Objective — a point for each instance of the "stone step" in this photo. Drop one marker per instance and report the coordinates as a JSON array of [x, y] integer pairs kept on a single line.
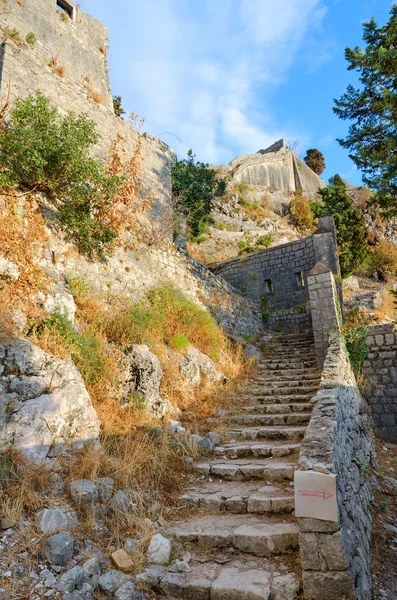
[[289, 373], [279, 398], [225, 576], [241, 469], [267, 433], [271, 419], [279, 408], [246, 533], [256, 449], [240, 498], [277, 364]]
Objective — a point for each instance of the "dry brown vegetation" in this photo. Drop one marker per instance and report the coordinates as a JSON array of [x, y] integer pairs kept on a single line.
[[300, 211]]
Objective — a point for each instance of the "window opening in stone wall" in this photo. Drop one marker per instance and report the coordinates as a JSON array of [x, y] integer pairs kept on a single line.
[[268, 285], [65, 7], [299, 279]]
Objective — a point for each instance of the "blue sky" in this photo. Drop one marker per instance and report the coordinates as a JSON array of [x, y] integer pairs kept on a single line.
[[228, 77]]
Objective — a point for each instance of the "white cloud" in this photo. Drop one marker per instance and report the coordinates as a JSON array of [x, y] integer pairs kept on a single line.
[[205, 72]]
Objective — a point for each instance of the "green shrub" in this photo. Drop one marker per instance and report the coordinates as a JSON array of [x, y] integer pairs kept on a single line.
[[195, 186], [180, 342], [356, 344], [87, 350], [42, 150], [31, 39], [252, 243]]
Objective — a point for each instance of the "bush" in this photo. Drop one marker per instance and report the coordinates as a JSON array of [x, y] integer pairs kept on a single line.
[[384, 260], [31, 39], [252, 243], [195, 186], [41, 150], [180, 342], [301, 212], [356, 344]]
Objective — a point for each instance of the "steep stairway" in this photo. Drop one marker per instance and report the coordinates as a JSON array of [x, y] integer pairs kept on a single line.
[[241, 532]]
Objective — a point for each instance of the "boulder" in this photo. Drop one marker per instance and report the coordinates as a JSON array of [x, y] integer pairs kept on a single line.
[[51, 520], [45, 407], [58, 549], [159, 550], [8, 270], [351, 283], [197, 367], [83, 491], [144, 376]]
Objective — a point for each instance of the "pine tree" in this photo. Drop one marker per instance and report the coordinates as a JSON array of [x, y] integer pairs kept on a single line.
[[315, 160], [372, 137], [351, 234]]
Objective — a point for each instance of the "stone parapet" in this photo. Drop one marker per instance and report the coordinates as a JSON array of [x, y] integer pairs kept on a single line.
[[336, 557], [380, 367]]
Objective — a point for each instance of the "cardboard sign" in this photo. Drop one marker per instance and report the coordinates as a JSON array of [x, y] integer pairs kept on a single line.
[[315, 496]]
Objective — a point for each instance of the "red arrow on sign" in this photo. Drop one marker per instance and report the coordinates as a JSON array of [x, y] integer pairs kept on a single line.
[[312, 494]]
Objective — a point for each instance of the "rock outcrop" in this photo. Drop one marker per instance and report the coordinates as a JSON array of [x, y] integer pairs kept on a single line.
[[44, 405]]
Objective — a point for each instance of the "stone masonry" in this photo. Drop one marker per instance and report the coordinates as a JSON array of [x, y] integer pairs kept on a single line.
[[380, 367], [276, 279]]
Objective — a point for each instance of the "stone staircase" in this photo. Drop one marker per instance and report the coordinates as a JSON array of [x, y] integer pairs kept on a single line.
[[241, 533]]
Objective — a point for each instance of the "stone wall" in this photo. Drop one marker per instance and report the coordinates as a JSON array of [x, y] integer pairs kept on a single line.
[[336, 557], [380, 367], [78, 44], [276, 279]]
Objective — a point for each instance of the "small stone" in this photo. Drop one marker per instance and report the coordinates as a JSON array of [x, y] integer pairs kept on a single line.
[[202, 443], [285, 587], [92, 570], [214, 437], [153, 575], [111, 581], [180, 566], [83, 593], [58, 549], [51, 520], [189, 460], [161, 521], [159, 550], [105, 488], [130, 546], [8, 269], [120, 503], [83, 491], [71, 579], [48, 578], [129, 591], [122, 560], [173, 425]]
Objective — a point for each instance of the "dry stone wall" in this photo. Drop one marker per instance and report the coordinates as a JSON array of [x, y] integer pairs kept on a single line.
[[336, 557], [380, 367], [276, 279]]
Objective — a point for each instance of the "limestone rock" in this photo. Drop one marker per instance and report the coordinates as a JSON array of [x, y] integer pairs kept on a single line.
[[9, 270], [111, 581], [92, 569], [105, 488], [71, 580], [121, 560], [152, 575], [232, 584], [159, 550], [130, 546], [45, 406], [120, 502], [83, 491], [214, 437], [144, 377], [51, 520], [203, 443], [129, 591], [197, 367], [58, 549], [285, 587], [351, 283], [60, 301]]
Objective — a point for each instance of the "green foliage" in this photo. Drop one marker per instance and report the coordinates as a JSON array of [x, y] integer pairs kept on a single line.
[[118, 106], [12, 34], [265, 309], [351, 234], [167, 316], [252, 243], [42, 150], [31, 39], [87, 350], [5, 465], [384, 505], [356, 344], [194, 188], [372, 109], [315, 160], [180, 342], [317, 209]]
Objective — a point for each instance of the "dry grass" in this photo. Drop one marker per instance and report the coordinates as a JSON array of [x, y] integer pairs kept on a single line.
[[97, 96], [387, 307], [301, 213]]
